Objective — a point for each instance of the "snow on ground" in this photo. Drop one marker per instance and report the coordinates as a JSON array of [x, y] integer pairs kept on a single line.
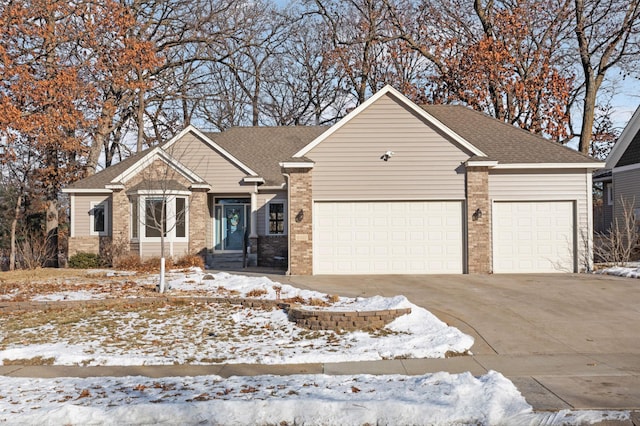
[[622, 271], [440, 398], [217, 333]]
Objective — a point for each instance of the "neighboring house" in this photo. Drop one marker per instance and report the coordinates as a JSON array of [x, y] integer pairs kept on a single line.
[[621, 176], [392, 188]]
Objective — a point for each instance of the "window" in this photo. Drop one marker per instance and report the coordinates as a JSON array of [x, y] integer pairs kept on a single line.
[[98, 218], [135, 221], [181, 219], [609, 188], [167, 215], [276, 218], [155, 217]]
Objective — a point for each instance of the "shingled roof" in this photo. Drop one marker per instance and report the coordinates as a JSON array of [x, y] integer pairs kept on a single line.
[[104, 177], [263, 148], [501, 141]]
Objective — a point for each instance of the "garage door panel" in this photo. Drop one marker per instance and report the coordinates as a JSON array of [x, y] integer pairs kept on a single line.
[[533, 236], [388, 237]]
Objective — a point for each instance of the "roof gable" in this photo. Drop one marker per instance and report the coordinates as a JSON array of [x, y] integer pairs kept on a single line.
[[122, 172], [626, 150], [208, 139], [399, 97]]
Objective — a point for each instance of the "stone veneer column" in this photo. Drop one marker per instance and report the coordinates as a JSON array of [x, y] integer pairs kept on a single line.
[[253, 231], [300, 221], [478, 226], [198, 216], [120, 217]]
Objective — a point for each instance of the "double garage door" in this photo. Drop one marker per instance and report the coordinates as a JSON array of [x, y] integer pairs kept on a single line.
[[408, 237], [427, 237]]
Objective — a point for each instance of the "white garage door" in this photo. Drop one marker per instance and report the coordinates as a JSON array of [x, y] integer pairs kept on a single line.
[[533, 237], [387, 237]]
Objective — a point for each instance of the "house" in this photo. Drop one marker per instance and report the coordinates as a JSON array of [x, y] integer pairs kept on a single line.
[[621, 176], [392, 188]]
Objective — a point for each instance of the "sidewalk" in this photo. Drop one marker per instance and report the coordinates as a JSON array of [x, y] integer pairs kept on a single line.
[[548, 382]]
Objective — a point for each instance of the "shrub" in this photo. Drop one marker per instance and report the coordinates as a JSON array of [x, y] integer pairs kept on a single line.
[[82, 260], [131, 262], [189, 261]]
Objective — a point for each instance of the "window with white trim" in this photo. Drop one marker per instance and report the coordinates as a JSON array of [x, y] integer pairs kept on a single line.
[[158, 214], [98, 221], [276, 223], [609, 188]]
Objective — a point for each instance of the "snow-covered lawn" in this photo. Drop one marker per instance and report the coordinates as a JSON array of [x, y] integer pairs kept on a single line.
[[200, 333], [630, 271], [131, 334], [438, 399]]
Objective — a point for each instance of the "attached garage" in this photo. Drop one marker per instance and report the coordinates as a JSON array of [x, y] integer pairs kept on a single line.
[[534, 236], [397, 237]]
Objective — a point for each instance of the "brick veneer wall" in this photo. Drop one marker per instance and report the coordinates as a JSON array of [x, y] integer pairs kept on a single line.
[[272, 250], [198, 216], [120, 216], [85, 244], [478, 228], [300, 221]]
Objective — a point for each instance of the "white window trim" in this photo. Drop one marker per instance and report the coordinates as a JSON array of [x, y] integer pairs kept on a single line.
[[105, 206], [266, 216], [171, 218], [133, 204], [609, 189]]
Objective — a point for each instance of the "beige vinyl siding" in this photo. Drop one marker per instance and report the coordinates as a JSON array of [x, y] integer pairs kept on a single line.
[[81, 213], [210, 165], [425, 165], [549, 185], [263, 199], [626, 186], [152, 249]]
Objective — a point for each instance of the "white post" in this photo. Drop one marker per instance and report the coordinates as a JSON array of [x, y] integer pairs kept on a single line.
[[162, 284], [253, 231]]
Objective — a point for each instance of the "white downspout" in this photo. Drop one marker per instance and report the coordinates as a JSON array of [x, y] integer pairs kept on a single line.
[[589, 236], [287, 178]]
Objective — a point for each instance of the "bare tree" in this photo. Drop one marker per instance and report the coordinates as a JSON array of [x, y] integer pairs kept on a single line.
[[621, 242], [358, 31], [608, 36]]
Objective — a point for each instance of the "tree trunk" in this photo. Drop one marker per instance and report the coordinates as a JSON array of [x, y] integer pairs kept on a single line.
[[14, 225], [52, 233], [588, 115], [94, 153], [140, 119]]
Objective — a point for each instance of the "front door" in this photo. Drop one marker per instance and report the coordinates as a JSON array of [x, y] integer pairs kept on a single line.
[[231, 222]]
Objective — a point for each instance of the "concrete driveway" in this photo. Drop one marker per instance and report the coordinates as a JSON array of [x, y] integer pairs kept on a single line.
[[565, 340]]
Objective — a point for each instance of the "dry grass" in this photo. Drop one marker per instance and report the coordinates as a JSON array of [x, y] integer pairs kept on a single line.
[[317, 302], [38, 360], [24, 276], [333, 298], [257, 292]]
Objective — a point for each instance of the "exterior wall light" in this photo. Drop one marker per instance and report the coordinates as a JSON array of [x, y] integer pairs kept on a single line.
[[386, 155]]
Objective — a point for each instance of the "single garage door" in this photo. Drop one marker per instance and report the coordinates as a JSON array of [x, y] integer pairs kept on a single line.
[[533, 237], [408, 237]]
